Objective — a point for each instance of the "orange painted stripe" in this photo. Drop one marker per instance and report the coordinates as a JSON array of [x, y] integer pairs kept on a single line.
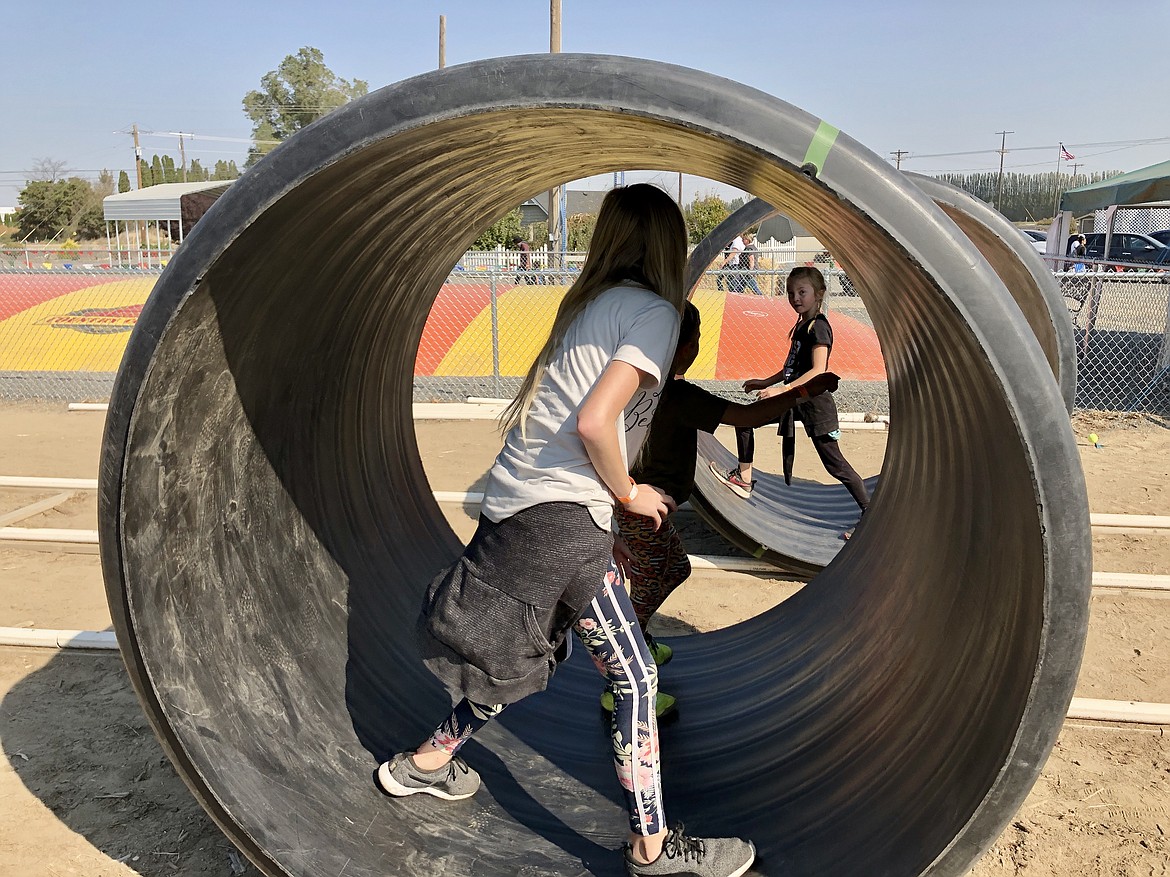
[[456, 306]]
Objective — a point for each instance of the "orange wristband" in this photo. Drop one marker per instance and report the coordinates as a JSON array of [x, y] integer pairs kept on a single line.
[[629, 498]]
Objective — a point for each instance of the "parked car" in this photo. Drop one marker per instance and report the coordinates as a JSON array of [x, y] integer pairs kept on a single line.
[[1161, 236], [1126, 246], [1037, 239]]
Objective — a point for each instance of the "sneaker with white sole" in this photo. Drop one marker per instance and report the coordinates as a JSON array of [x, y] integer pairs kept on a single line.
[[732, 479], [400, 777], [684, 856]]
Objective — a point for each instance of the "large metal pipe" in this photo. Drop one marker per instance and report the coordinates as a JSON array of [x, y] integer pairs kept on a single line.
[[798, 527], [267, 528]]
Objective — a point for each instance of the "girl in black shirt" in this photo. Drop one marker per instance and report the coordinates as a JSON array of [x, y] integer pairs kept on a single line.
[[808, 356]]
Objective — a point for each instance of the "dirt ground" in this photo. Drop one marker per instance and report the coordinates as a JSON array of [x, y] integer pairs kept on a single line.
[[86, 790]]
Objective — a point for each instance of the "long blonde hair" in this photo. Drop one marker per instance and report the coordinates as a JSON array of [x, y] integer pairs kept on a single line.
[[640, 236]]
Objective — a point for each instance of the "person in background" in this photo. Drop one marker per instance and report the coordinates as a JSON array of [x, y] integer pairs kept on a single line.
[[748, 262], [808, 356], [730, 265], [525, 262]]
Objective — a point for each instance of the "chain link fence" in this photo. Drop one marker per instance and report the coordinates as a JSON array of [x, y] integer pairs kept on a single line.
[[63, 331]]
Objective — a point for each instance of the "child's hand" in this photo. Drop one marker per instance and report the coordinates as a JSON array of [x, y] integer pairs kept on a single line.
[[768, 393], [753, 385], [652, 503], [825, 382], [623, 558]]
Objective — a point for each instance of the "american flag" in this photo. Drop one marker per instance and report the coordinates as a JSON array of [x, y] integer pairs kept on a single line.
[[1065, 154]]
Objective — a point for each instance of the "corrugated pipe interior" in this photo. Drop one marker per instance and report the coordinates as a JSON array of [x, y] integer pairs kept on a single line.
[[798, 527], [267, 528]]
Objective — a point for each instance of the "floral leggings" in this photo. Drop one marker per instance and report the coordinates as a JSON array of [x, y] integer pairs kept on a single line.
[[609, 632]]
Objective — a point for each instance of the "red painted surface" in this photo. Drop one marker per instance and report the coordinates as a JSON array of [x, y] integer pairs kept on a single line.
[[19, 292], [454, 309], [753, 341]]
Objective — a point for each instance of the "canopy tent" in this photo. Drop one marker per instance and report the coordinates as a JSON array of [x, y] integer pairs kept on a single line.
[[178, 205], [164, 202], [1136, 187]]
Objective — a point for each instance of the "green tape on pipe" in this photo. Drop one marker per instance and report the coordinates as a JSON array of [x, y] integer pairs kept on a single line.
[[822, 142]]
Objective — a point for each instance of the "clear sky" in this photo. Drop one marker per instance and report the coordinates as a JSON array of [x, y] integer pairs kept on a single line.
[[927, 76]]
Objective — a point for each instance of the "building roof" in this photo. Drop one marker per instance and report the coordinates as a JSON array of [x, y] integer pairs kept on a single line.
[[161, 202]]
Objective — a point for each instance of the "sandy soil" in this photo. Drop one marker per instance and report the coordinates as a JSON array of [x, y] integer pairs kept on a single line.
[[86, 790]]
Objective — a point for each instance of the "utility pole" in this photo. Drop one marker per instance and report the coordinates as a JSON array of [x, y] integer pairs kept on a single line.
[[898, 153], [183, 157], [137, 156], [442, 41], [554, 195], [1002, 152]]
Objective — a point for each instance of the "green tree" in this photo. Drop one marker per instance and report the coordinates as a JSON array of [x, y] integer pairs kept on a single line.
[[62, 208], [123, 181], [501, 233], [1022, 197], [225, 170], [581, 227], [197, 173], [300, 90], [170, 174], [157, 175], [703, 214]]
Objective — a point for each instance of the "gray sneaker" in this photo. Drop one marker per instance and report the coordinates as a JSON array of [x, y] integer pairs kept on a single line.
[[400, 776], [684, 856]]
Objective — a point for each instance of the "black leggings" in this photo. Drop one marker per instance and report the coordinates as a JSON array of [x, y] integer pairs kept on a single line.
[[831, 458]]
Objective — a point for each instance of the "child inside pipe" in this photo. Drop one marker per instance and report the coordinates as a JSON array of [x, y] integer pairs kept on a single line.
[[542, 558], [808, 356], [658, 559]]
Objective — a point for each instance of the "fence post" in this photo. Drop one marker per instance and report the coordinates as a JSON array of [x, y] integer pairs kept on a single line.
[[495, 336]]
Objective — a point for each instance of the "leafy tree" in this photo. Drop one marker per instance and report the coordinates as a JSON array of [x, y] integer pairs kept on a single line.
[[225, 170], [501, 233], [1022, 197], [123, 181], [703, 215], [581, 227], [170, 175], [156, 171], [51, 209], [299, 91]]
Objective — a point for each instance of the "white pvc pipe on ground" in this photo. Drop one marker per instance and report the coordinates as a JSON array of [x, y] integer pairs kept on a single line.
[[41, 483], [60, 639]]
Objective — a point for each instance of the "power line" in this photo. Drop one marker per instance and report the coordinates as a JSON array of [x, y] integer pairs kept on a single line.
[[1049, 148]]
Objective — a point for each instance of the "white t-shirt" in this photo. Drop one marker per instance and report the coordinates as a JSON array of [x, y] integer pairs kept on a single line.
[[629, 323], [736, 248]]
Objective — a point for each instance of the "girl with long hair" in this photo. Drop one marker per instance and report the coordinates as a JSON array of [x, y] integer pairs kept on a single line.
[[494, 624]]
